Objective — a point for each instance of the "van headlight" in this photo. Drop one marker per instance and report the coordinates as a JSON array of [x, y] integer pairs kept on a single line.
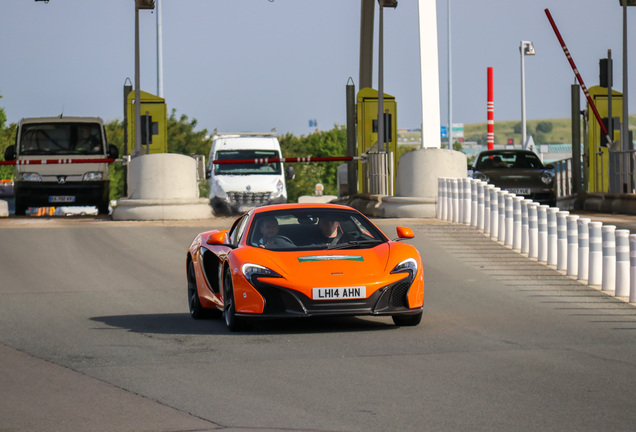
[[481, 176], [29, 177], [218, 191], [280, 188], [93, 176]]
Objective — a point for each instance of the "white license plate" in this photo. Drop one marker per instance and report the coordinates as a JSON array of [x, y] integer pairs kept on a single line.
[[62, 199], [519, 191], [339, 293]]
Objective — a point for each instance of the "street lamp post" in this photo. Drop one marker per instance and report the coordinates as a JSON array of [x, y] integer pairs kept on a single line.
[[526, 48], [139, 4], [625, 125]]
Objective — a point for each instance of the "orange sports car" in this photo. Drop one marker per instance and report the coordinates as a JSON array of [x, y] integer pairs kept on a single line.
[[300, 260]]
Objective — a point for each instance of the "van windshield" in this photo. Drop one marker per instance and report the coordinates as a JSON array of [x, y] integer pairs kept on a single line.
[[247, 168], [61, 138]]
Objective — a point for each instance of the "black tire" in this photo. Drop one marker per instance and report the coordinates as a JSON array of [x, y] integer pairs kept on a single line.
[[20, 207], [408, 320], [232, 322], [102, 208], [194, 303]]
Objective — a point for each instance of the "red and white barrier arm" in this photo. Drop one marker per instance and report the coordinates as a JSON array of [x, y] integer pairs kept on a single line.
[[578, 77], [289, 160], [55, 161]]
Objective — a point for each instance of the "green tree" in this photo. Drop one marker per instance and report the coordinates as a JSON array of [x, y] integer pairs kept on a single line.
[[183, 139], [544, 127], [7, 138], [318, 144]]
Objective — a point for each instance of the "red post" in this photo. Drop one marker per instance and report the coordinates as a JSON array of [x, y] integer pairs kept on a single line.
[[491, 113]]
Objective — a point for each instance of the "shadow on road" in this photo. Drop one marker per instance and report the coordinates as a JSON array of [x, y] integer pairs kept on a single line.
[[183, 324]]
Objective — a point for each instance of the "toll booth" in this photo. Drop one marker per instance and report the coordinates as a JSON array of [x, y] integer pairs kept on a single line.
[[597, 153], [154, 123], [367, 118]]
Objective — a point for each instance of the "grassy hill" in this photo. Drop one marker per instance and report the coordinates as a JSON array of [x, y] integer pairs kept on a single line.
[[560, 134]]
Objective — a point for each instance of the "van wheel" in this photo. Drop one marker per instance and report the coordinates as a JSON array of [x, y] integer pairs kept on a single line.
[[20, 207]]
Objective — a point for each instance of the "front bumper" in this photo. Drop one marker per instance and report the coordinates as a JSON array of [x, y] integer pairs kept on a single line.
[[39, 194], [283, 302]]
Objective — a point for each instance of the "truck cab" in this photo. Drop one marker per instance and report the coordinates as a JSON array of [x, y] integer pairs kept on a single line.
[[49, 170], [257, 181]]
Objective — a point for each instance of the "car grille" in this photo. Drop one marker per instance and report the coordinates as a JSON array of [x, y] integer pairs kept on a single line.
[[251, 199], [282, 301]]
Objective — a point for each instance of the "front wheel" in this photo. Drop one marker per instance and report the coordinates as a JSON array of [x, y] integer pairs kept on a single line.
[[232, 322], [408, 320]]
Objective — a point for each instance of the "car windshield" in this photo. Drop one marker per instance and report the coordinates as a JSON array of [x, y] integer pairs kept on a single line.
[[510, 159], [313, 229], [60, 138], [261, 167]]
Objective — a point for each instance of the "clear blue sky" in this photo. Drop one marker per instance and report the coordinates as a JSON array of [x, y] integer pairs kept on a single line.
[[259, 64]]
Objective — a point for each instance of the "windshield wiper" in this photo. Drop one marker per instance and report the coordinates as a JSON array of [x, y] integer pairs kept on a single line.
[[353, 244]]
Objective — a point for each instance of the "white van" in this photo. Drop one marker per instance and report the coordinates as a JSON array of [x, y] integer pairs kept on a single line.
[[238, 187], [44, 176]]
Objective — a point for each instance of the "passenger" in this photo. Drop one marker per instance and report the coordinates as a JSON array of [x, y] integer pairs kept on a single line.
[[330, 232], [497, 162], [270, 237]]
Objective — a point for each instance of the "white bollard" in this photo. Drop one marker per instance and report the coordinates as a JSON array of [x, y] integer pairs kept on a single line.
[[542, 227], [562, 240], [525, 229], [573, 245], [480, 205], [455, 200], [464, 184], [449, 199], [552, 236], [595, 269], [441, 197], [632, 271], [459, 202], [487, 189], [622, 263], [473, 202], [509, 199], [583, 225], [494, 212], [609, 258], [533, 231], [468, 200], [516, 223], [501, 236]]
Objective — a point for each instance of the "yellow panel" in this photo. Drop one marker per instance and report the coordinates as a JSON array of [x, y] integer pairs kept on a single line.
[[367, 112], [155, 106], [597, 161]]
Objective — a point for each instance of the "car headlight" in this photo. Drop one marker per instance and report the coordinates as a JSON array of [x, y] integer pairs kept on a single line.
[[93, 176], [29, 176], [252, 271], [481, 176], [547, 177], [408, 265]]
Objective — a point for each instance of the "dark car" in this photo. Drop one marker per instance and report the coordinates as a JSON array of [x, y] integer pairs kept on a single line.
[[518, 171]]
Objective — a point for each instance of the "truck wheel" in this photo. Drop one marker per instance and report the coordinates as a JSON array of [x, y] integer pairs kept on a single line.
[[103, 208]]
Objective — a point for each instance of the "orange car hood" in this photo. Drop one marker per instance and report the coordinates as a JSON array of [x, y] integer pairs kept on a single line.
[[332, 268]]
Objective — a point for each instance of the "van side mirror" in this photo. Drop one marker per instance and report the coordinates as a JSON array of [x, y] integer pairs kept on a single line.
[[290, 172], [9, 153], [113, 152]]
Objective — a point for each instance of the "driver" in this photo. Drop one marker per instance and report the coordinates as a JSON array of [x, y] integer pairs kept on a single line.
[[269, 235]]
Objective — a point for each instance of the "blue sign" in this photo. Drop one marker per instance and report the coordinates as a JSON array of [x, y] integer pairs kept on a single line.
[[444, 132]]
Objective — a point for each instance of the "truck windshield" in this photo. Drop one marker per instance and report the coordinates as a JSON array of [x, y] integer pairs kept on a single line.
[[61, 138], [262, 167]]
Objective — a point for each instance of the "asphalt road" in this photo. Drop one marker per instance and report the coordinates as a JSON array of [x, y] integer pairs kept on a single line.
[[95, 336]]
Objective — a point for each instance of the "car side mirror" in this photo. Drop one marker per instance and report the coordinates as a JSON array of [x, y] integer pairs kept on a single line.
[[9, 153], [113, 152], [216, 238], [404, 232]]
